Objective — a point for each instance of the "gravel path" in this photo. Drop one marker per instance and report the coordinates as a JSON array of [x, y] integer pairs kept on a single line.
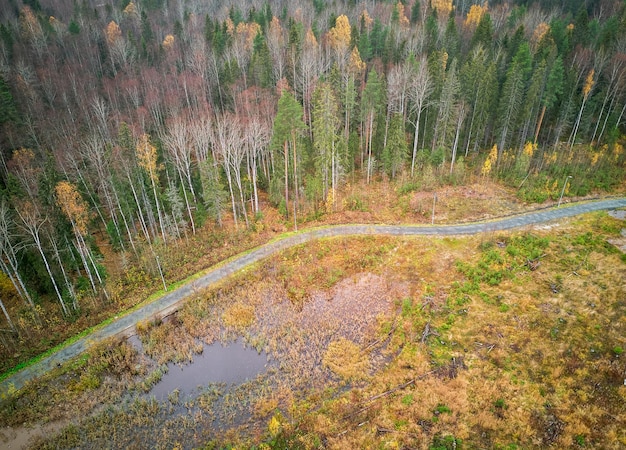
[[171, 301]]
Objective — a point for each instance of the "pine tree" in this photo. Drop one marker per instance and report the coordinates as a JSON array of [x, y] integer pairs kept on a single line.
[[372, 104], [8, 111], [326, 138], [287, 126], [513, 93], [396, 150]]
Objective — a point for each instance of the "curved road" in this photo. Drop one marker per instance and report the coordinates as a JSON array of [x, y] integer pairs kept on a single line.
[[172, 300]]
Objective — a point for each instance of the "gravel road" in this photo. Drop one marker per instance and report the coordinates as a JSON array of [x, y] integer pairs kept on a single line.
[[171, 301]]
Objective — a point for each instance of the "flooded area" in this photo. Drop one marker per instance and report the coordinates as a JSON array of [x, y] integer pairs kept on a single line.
[[225, 365], [229, 364]]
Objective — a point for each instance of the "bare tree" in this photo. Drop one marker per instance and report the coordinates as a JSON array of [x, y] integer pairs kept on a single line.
[[257, 137], [228, 144], [8, 254], [32, 222], [420, 88], [177, 141]]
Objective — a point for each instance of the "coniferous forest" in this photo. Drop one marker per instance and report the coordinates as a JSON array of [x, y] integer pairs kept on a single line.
[[143, 142], [127, 128]]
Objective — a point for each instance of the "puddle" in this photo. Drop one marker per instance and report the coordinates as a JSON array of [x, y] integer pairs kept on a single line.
[[231, 364]]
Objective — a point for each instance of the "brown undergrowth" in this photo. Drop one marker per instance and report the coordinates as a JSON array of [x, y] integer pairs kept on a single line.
[[132, 277], [504, 340]]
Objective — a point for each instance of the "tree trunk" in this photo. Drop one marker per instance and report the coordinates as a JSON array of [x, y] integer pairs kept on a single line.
[[286, 179], [543, 111], [6, 314], [54, 283]]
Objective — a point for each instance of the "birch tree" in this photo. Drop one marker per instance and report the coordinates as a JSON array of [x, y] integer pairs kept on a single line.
[[32, 222], [8, 254], [420, 88], [177, 141], [587, 86], [147, 158], [257, 138]]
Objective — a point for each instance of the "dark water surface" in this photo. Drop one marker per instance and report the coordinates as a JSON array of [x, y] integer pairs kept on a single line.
[[230, 364]]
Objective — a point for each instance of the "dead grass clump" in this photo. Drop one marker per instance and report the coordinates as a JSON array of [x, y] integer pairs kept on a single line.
[[345, 359], [238, 316], [166, 342]]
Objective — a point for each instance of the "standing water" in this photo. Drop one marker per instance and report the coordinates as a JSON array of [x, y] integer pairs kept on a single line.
[[231, 364]]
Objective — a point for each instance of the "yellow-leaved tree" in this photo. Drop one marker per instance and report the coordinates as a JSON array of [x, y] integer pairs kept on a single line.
[[474, 15], [147, 159], [356, 63], [339, 36], [490, 161], [402, 18], [113, 32], [73, 206], [69, 200], [443, 7], [539, 33], [168, 42], [366, 19]]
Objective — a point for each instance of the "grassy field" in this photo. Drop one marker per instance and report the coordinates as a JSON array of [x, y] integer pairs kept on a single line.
[[511, 340]]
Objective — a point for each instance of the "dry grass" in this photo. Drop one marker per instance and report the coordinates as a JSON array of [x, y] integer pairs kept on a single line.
[[530, 360], [345, 359], [539, 368], [163, 343], [238, 316], [132, 277]]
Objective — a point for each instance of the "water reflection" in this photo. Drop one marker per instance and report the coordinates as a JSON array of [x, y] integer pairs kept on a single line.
[[230, 364]]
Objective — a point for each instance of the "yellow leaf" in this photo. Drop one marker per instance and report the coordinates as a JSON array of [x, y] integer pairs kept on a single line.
[[147, 156], [356, 63], [366, 19], [72, 205], [113, 32], [474, 15], [443, 7], [404, 21], [339, 36], [168, 42], [589, 82], [310, 40], [541, 30]]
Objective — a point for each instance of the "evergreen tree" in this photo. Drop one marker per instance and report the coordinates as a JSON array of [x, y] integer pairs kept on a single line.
[[484, 32], [451, 39], [513, 92], [480, 89], [415, 12], [554, 89], [260, 67], [372, 106], [8, 111], [327, 141], [396, 150], [287, 126]]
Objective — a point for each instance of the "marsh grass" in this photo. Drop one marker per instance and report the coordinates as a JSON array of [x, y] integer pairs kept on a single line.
[[345, 359], [516, 354], [97, 377], [538, 372]]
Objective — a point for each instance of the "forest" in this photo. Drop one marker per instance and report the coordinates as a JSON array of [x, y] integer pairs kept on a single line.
[[128, 128]]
